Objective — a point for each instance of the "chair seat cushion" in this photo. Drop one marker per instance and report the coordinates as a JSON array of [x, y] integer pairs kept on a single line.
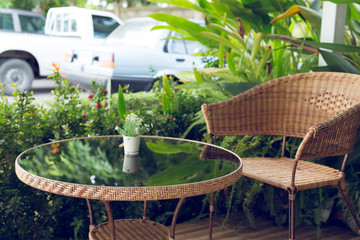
[[278, 171], [131, 229]]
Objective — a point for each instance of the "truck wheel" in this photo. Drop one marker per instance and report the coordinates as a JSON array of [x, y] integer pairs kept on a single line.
[[16, 72]]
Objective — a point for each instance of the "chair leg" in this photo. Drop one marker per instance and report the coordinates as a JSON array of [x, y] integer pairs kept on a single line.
[[111, 219], [292, 196], [211, 210], [176, 213], [91, 214], [342, 188]]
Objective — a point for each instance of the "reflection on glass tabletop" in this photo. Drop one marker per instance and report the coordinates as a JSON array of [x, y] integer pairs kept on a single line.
[[101, 162]]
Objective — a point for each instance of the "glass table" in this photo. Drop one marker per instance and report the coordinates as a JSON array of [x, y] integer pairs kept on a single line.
[[95, 168]]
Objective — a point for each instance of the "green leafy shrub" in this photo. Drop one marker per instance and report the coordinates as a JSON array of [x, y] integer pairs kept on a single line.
[[184, 105], [24, 212]]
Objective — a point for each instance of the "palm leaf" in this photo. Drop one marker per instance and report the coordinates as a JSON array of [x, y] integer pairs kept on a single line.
[[338, 63]]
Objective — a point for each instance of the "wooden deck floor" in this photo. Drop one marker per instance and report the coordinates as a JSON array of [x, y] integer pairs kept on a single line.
[[199, 230]]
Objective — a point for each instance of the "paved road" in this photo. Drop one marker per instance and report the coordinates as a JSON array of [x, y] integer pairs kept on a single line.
[[42, 89]]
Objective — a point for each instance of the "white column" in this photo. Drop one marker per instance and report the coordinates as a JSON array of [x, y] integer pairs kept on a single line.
[[332, 25]]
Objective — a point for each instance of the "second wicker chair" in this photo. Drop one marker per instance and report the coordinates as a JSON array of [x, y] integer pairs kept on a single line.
[[323, 109]]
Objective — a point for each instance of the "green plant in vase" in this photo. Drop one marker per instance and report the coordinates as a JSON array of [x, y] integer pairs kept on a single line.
[[131, 130]]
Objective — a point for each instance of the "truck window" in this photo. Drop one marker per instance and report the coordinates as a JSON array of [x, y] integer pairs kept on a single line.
[[180, 46], [193, 47], [31, 24], [103, 26], [69, 21], [73, 25], [6, 22], [177, 45], [66, 22], [58, 23]]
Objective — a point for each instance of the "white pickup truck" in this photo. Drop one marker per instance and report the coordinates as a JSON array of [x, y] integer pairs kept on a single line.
[[25, 55]]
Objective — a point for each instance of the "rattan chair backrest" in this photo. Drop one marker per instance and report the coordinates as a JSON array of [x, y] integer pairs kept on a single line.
[[290, 106]]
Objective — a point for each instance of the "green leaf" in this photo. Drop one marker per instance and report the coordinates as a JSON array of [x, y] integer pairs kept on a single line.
[[166, 104], [237, 88], [176, 21], [231, 64], [262, 62], [176, 174], [166, 86], [229, 76], [197, 85], [256, 46], [337, 63], [221, 55], [306, 44], [179, 3], [223, 41], [121, 104], [197, 75], [261, 7], [312, 16], [186, 77], [168, 148], [234, 34], [309, 14], [343, 1], [321, 69], [193, 29], [334, 46]]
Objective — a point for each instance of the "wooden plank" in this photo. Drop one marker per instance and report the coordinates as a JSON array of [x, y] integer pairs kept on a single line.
[[265, 230]]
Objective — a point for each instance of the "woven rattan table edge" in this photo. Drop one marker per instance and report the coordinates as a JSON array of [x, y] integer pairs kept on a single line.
[[110, 193]]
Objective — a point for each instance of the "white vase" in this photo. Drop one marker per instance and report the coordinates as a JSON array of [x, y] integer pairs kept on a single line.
[[131, 145], [131, 163]]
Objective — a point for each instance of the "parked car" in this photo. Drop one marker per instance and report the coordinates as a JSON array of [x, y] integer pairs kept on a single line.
[[133, 55], [15, 20], [25, 54]]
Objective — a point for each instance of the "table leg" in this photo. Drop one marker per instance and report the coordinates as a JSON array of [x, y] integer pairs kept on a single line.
[[91, 214], [211, 210], [176, 213], [145, 211], [111, 219]]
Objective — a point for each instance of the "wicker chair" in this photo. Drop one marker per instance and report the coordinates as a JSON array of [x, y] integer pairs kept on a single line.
[[323, 109]]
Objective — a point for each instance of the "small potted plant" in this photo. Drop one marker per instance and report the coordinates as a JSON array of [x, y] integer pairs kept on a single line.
[[131, 131]]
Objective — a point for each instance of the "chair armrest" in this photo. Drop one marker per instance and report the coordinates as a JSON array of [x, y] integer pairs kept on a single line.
[[333, 137]]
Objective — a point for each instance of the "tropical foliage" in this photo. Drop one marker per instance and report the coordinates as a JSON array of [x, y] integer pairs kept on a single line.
[[260, 40]]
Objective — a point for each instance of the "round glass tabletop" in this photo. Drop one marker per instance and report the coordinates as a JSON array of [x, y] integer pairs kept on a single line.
[[97, 168]]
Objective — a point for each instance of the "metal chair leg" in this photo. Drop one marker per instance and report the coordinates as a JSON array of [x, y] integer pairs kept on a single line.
[[292, 196], [342, 189]]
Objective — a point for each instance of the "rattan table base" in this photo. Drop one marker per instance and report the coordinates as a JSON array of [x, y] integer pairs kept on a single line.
[[131, 229]]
